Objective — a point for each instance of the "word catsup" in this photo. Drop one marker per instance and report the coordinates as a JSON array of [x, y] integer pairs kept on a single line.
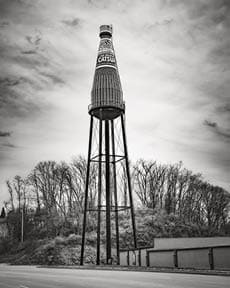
[[105, 58]]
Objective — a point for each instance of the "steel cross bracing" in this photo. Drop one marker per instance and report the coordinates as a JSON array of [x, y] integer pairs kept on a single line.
[[107, 158]]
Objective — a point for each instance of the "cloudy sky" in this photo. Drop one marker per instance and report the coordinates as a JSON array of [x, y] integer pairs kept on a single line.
[[174, 64]]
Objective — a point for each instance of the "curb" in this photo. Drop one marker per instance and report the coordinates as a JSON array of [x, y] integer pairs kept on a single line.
[[143, 269]]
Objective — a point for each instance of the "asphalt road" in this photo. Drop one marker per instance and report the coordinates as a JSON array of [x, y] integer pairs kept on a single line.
[[33, 277]]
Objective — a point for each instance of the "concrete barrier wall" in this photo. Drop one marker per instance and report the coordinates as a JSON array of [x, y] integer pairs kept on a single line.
[[193, 259], [209, 257], [143, 257], [133, 258], [199, 258], [161, 259], [221, 258], [181, 252], [123, 258]]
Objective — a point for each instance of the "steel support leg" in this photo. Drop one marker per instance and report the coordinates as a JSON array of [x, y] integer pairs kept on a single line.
[[107, 192], [115, 192], [99, 194], [129, 181], [86, 191]]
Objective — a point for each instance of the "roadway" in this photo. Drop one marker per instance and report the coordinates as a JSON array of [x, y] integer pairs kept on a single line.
[[33, 277]]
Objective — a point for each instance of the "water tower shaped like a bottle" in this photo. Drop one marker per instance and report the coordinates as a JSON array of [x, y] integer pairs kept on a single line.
[[106, 95], [107, 136]]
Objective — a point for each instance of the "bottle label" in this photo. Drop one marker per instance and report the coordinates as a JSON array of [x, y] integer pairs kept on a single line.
[[106, 45], [106, 59], [106, 54]]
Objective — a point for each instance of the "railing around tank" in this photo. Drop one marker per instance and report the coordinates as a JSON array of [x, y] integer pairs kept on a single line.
[[106, 104]]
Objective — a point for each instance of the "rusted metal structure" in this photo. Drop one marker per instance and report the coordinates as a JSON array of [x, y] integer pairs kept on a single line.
[[107, 136]]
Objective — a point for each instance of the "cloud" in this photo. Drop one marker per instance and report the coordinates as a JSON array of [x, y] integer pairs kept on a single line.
[[4, 24], [210, 124], [15, 6], [15, 104], [55, 79], [29, 52], [217, 130], [29, 71], [35, 39], [5, 134], [225, 108], [7, 81], [16, 98], [9, 145], [72, 22], [165, 22]]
